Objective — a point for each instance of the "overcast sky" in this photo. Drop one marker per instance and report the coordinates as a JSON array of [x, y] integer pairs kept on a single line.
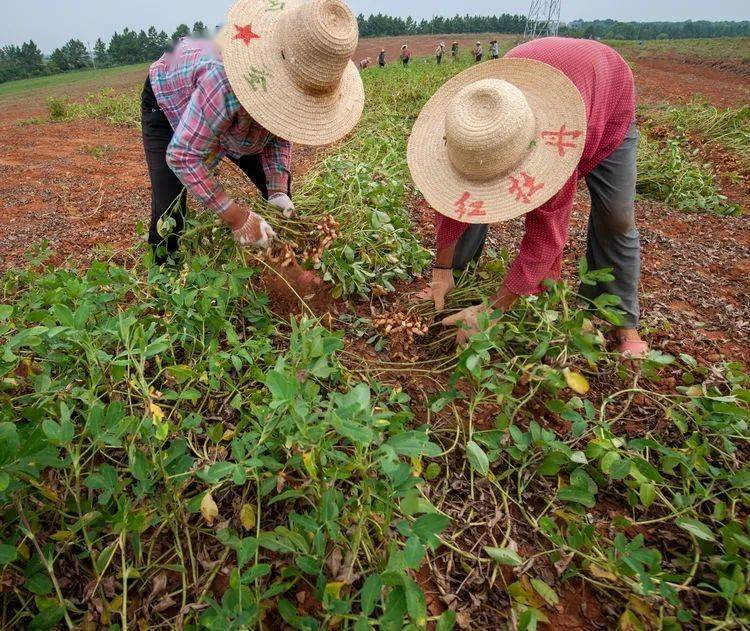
[[52, 22]]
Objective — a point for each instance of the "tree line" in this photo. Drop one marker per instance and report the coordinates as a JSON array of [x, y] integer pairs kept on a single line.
[[611, 29], [385, 25], [130, 46]]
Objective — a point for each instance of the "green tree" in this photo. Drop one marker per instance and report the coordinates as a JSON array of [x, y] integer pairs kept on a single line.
[[101, 55], [200, 30], [181, 31]]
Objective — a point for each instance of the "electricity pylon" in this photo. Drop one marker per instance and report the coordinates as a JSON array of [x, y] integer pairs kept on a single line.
[[543, 19]]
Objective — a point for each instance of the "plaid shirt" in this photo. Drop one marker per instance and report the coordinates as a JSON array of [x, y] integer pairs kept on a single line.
[[192, 89]]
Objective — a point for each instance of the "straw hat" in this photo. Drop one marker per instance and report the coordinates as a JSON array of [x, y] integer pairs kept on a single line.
[[497, 140], [289, 63]]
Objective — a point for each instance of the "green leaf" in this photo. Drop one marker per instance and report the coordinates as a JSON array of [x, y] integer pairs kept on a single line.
[[446, 621], [8, 554], [647, 470], [696, 528], [414, 552], [503, 556], [545, 591], [620, 469], [579, 496], [477, 458], [416, 604], [39, 584], [428, 526], [282, 387], [370, 593], [647, 493]]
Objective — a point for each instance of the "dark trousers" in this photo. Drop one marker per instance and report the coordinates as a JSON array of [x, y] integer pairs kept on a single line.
[[613, 239], [168, 195]]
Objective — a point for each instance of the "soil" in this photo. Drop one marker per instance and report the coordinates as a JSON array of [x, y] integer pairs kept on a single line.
[[681, 80]]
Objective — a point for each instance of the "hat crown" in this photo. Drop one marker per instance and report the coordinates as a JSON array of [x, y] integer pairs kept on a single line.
[[489, 127], [318, 40]]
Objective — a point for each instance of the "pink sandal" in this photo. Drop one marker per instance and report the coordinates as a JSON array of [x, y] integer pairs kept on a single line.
[[632, 349]]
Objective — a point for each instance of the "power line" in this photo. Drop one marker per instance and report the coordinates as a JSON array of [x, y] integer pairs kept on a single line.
[[543, 19]]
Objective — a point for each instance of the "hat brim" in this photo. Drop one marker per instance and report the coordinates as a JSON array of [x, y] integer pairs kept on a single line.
[[553, 155], [257, 73]]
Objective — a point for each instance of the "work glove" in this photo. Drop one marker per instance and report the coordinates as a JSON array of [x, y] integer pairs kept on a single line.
[[254, 233], [283, 203], [467, 321], [442, 283]]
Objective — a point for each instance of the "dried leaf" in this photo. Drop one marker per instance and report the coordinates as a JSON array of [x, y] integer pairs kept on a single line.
[[159, 585], [156, 412], [209, 509], [247, 516], [576, 381], [597, 571]]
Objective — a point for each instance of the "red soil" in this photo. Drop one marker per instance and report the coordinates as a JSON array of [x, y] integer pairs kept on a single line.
[[680, 80]]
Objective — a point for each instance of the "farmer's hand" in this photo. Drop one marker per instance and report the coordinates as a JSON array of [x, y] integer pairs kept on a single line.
[[254, 232], [442, 283], [467, 321], [282, 202]]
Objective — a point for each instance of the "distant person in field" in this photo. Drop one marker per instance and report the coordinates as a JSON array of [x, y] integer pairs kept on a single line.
[[478, 52], [551, 112], [439, 52], [365, 63], [454, 51], [381, 58], [494, 49], [235, 98], [405, 55]]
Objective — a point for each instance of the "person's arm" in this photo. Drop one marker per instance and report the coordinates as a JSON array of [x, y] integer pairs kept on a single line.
[[208, 115], [540, 255], [277, 159], [448, 232]]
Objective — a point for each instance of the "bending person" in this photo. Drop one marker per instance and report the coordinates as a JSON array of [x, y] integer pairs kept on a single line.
[[246, 96], [513, 137]]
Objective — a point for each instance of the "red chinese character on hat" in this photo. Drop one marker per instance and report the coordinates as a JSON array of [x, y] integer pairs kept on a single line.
[[245, 33], [524, 188], [475, 208], [558, 139]]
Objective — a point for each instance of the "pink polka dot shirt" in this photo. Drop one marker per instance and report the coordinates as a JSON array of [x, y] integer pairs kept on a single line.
[[605, 82]]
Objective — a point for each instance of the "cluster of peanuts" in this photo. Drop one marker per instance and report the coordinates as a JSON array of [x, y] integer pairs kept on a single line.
[[402, 329], [329, 229], [282, 254]]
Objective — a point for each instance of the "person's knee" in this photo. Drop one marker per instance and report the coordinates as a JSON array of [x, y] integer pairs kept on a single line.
[[618, 220]]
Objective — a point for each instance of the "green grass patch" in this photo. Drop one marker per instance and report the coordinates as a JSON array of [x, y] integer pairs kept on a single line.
[[672, 173], [728, 127], [116, 108], [67, 81]]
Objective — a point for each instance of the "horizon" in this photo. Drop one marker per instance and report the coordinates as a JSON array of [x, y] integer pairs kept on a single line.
[[62, 24]]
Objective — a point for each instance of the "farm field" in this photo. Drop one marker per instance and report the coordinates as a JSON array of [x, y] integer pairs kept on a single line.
[[201, 447]]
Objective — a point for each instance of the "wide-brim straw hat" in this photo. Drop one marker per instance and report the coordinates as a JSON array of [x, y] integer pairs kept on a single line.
[[497, 140], [289, 63]]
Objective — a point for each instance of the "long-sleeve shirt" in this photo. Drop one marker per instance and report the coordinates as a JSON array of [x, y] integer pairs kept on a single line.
[[605, 82], [191, 87]]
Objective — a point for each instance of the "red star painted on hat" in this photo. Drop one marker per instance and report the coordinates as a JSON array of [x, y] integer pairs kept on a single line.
[[245, 33]]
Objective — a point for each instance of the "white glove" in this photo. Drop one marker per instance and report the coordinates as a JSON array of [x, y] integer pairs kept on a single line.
[[442, 284], [282, 202], [254, 233]]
